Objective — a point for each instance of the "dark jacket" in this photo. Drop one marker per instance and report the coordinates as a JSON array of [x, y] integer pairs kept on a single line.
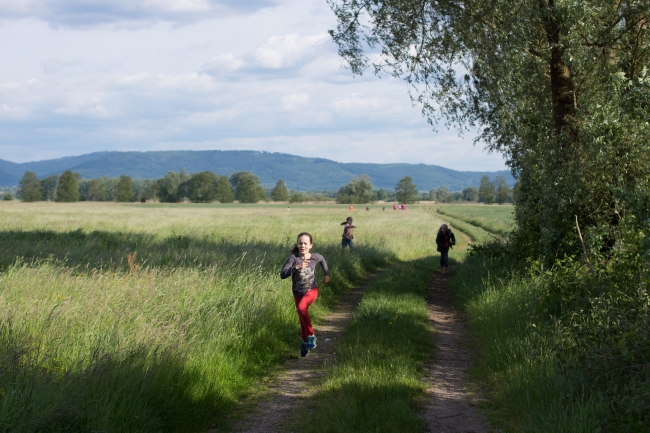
[[440, 240]]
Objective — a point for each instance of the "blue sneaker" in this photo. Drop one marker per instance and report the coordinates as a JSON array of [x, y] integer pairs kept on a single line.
[[303, 350], [311, 342]]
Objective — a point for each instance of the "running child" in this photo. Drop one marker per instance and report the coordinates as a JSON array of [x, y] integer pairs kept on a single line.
[[301, 267], [347, 237]]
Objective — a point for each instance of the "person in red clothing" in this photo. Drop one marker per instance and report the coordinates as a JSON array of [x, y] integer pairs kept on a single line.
[[301, 267]]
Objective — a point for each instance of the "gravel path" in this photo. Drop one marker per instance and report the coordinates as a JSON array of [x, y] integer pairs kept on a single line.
[[299, 376], [451, 406]]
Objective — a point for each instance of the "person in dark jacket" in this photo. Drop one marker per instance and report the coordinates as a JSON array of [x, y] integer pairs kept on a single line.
[[445, 240]]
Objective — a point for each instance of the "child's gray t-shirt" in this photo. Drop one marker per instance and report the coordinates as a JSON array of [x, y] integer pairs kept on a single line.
[[304, 279]]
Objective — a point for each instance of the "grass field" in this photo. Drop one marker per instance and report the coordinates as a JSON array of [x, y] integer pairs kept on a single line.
[[162, 317], [498, 220]]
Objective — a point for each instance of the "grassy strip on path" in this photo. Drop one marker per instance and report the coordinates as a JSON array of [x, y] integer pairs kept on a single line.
[[376, 380]]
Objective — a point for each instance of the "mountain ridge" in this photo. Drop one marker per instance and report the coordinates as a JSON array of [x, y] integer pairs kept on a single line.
[[301, 173]]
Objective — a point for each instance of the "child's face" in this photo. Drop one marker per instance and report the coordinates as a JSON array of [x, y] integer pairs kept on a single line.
[[304, 244]]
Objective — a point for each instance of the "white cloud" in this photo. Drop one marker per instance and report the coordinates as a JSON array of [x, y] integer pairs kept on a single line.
[[264, 78]]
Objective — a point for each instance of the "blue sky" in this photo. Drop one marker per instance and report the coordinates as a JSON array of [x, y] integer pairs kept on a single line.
[[81, 76]]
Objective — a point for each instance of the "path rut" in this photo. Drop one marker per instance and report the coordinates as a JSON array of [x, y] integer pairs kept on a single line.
[[451, 406]]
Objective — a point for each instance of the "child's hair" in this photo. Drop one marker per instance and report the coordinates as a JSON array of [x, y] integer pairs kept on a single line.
[[295, 246], [441, 227], [348, 220]]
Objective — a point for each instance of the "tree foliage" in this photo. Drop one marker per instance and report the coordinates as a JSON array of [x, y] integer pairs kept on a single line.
[[280, 192], [124, 189], [470, 194], [29, 188], [405, 191], [48, 187], [224, 190], [168, 191], [247, 187], [68, 189], [358, 190], [486, 190], [559, 87], [203, 187], [502, 190]]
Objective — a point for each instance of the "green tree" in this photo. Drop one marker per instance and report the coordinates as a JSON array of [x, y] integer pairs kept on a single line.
[[298, 197], [502, 190], [358, 190], [124, 189], [93, 191], [280, 192], [7, 196], [470, 194], [405, 191], [382, 195], [203, 187], [559, 87], [486, 190], [224, 190], [247, 187], [168, 188], [29, 188], [68, 188], [48, 187], [441, 195]]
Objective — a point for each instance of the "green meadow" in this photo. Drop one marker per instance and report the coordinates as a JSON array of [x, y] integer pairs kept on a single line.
[[164, 317]]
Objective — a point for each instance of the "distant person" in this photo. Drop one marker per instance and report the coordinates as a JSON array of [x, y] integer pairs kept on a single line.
[[403, 206], [288, 208], [351, 208], [445, 240], [347, 237], [301, 267], [367, 208], [383, 208], [394, 206]]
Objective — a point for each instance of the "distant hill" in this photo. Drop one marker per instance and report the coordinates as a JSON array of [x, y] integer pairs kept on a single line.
[[304, 174]]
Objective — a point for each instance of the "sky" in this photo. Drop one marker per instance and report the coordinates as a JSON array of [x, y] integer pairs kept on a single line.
[[81, 76]]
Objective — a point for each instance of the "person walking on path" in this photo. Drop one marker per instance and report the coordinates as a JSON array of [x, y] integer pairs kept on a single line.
[[347, 237], [301, 267], [445, 240], [394, 206]]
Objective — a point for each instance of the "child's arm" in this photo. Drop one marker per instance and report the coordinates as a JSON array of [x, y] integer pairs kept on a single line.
[[326, 271], [289, 267]]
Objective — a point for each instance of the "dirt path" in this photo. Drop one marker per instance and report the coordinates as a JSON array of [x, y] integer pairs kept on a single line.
[[451, 406], [299, 376]]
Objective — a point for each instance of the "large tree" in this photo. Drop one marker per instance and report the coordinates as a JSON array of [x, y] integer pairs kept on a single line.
[[405, 191], [124, 189], [68, 188], [48, 187], [247, 187], [280, 192], [502, 190], [486, 190], [203, 187], [224, 190], [558, 86], [29, 188], [358, 190]]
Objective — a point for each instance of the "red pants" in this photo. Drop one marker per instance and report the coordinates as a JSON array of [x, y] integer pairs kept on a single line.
[[302, 306]]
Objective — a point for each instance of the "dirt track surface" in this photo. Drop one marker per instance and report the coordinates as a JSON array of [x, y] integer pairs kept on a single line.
[[451, 406], [299, 376]]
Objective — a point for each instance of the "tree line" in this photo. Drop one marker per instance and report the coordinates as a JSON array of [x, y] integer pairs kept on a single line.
[[245, 187]]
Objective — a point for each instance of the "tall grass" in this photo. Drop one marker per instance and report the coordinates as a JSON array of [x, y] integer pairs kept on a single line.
[[139, 318], [519, 347]]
